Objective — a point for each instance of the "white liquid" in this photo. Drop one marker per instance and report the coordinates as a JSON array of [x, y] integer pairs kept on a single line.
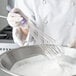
[[38, 66]]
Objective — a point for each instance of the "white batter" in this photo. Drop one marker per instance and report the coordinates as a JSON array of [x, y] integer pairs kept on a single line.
[[38, 66]]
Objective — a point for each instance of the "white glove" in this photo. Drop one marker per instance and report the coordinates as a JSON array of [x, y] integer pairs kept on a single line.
[[20, 29]]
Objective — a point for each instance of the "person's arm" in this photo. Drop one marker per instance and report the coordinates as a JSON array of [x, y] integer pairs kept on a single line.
[[20, 31], [15, 16]]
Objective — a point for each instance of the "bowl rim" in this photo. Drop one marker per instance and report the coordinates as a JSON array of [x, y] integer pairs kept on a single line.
[[4, 69], [7, 71], [14, 74]]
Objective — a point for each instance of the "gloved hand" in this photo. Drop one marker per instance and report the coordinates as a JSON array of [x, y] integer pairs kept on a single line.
[[20, 27]]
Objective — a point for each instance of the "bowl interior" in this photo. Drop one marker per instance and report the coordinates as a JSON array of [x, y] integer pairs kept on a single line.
[[8, 59]]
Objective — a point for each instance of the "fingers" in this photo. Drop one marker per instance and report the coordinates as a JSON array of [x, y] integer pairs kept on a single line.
[[13, 18], [19, 37], [73, 44], [24, 31]]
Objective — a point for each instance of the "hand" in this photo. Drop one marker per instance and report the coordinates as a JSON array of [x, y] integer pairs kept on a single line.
[[14, 17], [20, 37], [20, 33], [73, 44]]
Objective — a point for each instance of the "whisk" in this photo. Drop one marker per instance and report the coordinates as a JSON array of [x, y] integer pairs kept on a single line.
[[45, 42]]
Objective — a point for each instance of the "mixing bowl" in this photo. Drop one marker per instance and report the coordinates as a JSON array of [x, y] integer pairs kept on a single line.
[[9, 58]]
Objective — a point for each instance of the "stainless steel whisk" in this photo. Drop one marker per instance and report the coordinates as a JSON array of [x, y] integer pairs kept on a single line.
[[45, 42]]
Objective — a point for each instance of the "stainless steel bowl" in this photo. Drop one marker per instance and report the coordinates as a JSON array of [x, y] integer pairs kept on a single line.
[[8, 59]]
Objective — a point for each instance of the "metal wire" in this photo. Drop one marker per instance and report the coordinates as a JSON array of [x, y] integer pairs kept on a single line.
[[45, 42]]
